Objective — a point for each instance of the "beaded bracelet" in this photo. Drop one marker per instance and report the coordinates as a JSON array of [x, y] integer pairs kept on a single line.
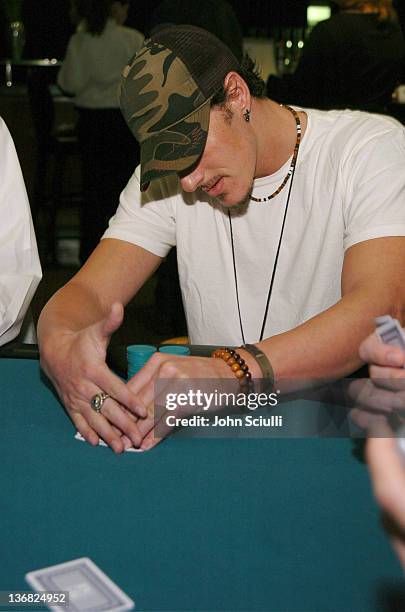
[[237, 365]]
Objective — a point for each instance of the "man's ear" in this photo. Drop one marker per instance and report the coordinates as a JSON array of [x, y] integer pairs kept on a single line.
[[238, 94]]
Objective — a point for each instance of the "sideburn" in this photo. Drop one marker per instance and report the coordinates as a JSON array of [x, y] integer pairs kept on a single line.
[[228, 114]]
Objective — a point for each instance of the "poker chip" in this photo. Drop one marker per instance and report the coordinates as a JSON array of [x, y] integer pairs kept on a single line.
[[137, 356], [175, 349]]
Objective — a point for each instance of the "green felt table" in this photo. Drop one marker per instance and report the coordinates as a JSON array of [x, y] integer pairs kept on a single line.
[[195, 524]]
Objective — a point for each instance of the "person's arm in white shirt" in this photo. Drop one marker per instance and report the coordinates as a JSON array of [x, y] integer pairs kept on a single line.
[[73, 75], [20, 269]]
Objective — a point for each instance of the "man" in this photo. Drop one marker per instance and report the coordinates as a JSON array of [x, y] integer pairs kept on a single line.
[[289, 227], [20, 269]]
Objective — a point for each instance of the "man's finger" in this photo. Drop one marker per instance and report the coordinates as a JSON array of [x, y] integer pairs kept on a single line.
[[119, 417], [91, 436], [373, 350], [388, 377], [159, 431], [84, 428], [119, 390], [363, 418], [106, 432], [147, 373], [365, 393]]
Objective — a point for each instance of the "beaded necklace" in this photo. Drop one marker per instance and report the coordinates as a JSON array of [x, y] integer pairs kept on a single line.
[[293, 161]]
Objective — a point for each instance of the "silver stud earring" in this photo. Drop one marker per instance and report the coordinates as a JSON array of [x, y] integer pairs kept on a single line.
[[246, 115]]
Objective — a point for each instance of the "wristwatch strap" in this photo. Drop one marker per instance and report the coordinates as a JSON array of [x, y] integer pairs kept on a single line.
[[263, 362]]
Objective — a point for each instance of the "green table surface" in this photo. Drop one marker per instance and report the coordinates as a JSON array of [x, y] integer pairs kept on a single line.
[[195, 524]]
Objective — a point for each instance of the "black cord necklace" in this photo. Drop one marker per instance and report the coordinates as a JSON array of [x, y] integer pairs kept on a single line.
[[291, 175]]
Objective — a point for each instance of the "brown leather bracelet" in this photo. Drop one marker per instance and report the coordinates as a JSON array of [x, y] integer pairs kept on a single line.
[[263, 363]]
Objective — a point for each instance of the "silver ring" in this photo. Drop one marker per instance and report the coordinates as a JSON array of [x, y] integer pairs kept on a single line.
[[98, 400]]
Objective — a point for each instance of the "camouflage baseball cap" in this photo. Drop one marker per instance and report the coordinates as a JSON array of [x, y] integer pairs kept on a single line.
[[165, 96]]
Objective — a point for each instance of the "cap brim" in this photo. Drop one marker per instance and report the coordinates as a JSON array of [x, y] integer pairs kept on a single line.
[[175, 149]]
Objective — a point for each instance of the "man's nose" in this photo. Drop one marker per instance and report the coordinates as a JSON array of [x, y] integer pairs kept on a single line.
[[190, 182]]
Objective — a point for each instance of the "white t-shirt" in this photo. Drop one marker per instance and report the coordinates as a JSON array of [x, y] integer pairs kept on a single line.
[[92, 68], [349, 186], [20, 269]]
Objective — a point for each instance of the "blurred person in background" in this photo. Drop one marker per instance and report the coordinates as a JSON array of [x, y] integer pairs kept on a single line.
[[91, 71], [354, 60]]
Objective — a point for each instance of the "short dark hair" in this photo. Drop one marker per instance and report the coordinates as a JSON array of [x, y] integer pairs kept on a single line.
[[251, 75]]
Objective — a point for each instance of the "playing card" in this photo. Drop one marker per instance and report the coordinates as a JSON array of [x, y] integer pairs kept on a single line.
[[390, 331], [383, 319], [79, 436], [90, 590]]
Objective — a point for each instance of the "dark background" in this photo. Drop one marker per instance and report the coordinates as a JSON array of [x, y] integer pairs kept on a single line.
[[48, 26]]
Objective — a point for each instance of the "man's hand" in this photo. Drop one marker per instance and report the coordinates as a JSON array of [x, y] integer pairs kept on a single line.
[[385, 391], [169, 369], [386, 361], [75, 363]]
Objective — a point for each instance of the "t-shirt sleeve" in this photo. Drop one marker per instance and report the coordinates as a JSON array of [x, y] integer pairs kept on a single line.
[[146, 219], [374, 175]]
